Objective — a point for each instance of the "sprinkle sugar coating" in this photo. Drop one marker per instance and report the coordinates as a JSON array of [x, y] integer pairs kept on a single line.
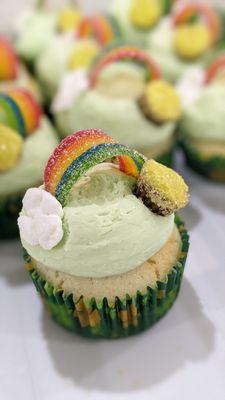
[[77, 153], [161, 189], [160, 102]]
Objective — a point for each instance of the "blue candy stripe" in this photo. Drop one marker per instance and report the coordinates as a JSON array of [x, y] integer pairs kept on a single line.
[[16, 110], [90, 158]]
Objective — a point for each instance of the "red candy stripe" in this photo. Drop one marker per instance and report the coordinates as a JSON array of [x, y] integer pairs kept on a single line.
[[203, 10], [123, 53], [214, 68]]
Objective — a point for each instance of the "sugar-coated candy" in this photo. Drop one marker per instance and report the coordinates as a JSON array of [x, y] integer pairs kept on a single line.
[[161, 189]]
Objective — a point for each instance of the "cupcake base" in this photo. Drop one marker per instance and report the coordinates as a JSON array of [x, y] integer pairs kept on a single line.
[[125, 317], [9, 212], [212, 167]]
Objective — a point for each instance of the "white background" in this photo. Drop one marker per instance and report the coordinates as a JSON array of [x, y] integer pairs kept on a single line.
[[181, 357]]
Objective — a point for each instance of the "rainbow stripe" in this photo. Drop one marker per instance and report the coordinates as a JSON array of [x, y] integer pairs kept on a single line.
[[102, 28], [20, 111], [9, 63], [77, 153], [128, 53], [215, 68], [185, 13]]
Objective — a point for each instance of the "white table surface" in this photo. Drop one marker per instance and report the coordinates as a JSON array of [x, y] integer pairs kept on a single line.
[[181, 357]]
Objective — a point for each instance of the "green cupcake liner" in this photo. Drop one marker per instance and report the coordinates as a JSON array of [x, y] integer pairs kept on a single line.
[[9, 212], [125, 317], [212, 168]]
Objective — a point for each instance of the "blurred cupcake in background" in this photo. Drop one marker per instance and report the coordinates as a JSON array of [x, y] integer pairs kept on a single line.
[[202, 126], [27, 139], [102, 244], [190, 36], [13, 73], [124, 94], [68, 53], [139, 18], [37, 27]]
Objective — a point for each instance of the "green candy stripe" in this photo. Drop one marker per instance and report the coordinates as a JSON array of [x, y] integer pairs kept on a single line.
[[93, 156], [10, 114], [128, 316], [115, 26], [212, 168]]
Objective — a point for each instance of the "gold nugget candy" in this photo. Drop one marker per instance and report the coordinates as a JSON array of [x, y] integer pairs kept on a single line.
[[192, 41], [161, 189], [10, 148], [69, 19], [83, 54], [160, 102], [145, 13]]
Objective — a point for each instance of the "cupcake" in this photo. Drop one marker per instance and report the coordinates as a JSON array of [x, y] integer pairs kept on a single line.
[[125, 95], [139, 18], [13, 73], [190, 36], [36, 28], [26, 141], [67, 53], [202, 126], [100, 239]]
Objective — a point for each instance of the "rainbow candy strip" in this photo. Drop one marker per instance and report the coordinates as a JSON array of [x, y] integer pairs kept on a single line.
[[77, 153], [124, 52], [211, 19], [216, 67], [9, 63], [20, 111], [102, 28]]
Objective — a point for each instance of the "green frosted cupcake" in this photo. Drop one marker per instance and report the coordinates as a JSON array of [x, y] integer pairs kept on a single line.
[[189, 37], [202, 126], [26, 140], [104, 263], [69, 53], [139, 18], [125, 95], [38, 27]]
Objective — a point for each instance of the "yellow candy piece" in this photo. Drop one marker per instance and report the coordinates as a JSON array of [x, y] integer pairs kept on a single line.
[[161, 102], [69, 19], [192, 41], [161, 189], [10, 147], [83, 54], [145, 13]]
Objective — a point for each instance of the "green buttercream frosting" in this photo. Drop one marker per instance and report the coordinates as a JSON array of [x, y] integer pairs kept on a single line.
[[53, 63], [107, 230], [36, 33], [204, 120], [160, 48], [120, 117], [121, 10], [29, 171]]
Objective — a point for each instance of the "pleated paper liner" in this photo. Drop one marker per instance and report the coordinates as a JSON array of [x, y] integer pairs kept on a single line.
[[9, 212], [212, 168], [102, 319]]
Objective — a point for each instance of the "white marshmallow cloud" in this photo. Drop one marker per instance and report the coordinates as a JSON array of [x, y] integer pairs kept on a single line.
[[41, 223]]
